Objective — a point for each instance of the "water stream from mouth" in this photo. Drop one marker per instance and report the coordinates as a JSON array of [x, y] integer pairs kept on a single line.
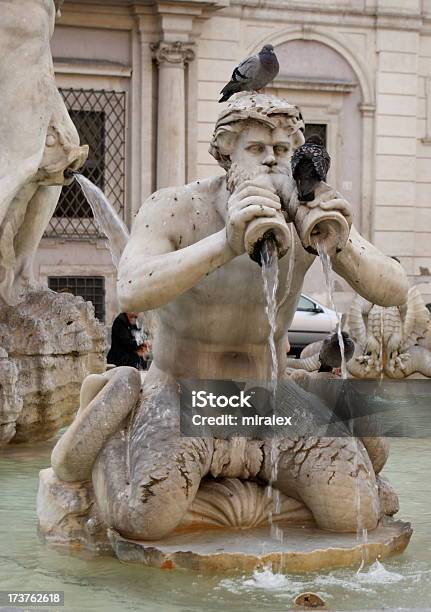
[[270, 277], [106, 217]]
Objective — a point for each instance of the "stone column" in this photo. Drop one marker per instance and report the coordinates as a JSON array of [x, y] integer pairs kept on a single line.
[[368, 112], [172, 58]]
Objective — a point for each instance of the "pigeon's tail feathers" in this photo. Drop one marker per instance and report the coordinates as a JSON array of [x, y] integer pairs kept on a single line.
[[228, 91]]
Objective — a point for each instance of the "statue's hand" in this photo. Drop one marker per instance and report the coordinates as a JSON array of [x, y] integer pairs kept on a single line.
[[326, 198], [326, 220], [331, 201], [251, 200]]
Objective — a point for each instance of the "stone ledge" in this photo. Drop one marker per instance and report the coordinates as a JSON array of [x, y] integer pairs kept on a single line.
[[303, 549]]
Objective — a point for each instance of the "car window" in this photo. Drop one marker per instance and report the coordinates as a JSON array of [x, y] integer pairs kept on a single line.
[[305, 304]]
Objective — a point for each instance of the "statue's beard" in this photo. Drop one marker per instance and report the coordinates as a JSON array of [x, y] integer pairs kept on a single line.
[[236, 174]]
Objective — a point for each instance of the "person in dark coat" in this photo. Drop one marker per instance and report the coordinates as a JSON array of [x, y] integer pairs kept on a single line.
[[125, 350]]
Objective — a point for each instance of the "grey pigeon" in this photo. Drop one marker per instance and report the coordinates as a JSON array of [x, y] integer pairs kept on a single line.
[[310, 165], [330, 354], [253, 73]]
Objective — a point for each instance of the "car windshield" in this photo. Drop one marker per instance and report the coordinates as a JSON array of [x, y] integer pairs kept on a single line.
[[305, 304]]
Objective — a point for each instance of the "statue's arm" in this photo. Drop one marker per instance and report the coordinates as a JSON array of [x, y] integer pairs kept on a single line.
[[378, 278], [152, 271]]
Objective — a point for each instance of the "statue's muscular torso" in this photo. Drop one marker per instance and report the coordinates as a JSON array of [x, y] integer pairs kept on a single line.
[[218, 327]]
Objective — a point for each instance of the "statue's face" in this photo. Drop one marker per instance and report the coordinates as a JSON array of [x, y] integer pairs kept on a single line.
[[260, 147]]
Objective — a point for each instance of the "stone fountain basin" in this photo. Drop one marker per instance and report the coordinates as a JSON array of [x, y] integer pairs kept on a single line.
[[302, 550]]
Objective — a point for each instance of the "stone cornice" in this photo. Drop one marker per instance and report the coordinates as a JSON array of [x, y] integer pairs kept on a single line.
[[298, 82], [172, 52], [196, 7], [91, 67], [327, 14]]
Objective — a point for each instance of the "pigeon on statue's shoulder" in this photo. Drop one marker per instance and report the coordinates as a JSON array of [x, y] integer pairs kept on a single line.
[[310, 165], [253, 73]]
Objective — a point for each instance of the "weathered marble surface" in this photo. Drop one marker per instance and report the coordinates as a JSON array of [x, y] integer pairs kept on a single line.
[[39, 140], [302, 550], [68, 515], [226, 529], [50, 343], [391, 341], [187, 260]]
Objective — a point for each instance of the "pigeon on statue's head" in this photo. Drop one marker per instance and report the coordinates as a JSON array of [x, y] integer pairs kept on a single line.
[[310, 165], [253, 73]]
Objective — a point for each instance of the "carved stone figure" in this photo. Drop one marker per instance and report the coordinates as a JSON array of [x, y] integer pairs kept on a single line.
[[389, 341], [189, 259], [38, 143], [39, 140]]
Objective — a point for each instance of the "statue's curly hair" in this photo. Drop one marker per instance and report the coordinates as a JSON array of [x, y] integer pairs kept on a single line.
[[249, 107]]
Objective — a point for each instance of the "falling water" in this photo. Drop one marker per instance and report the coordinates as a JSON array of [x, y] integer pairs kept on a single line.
[[270, 286], [290, 267], [269, 258], [361, 533], [327, 270], [107, 219], [117, 234], [381, 356]]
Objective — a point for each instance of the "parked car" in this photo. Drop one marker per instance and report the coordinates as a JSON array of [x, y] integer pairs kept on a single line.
[[312, 322]]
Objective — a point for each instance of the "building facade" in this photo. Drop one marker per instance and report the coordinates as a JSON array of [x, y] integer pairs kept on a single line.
[[141, 80]]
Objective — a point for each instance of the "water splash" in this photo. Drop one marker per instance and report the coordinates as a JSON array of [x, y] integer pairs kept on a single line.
[[269, 258], [378, 574], [106, 217], [263, 579]]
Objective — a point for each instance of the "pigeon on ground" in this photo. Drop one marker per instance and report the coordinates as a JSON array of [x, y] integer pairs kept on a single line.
[[310, 165], [253, 73], [330, 354]]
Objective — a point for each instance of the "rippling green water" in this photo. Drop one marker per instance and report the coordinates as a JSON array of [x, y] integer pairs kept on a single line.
[[104, 584]]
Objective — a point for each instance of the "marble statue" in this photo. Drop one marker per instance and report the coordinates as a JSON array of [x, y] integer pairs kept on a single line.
[[39, 142], [390, 341], [190, 260], [38, 136]]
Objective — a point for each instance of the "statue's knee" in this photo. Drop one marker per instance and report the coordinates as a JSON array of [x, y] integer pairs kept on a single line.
[[349, 505], [151, 520]]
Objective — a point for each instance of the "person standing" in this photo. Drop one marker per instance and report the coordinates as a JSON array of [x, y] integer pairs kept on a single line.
[[125, 349]]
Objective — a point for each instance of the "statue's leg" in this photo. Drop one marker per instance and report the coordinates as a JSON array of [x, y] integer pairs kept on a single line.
[[332, 476], [147, 475], [105, 402], [38, 213]]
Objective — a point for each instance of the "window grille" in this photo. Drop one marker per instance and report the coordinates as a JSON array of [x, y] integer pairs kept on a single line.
[[91, 288], [100, 119], [316, 128]]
